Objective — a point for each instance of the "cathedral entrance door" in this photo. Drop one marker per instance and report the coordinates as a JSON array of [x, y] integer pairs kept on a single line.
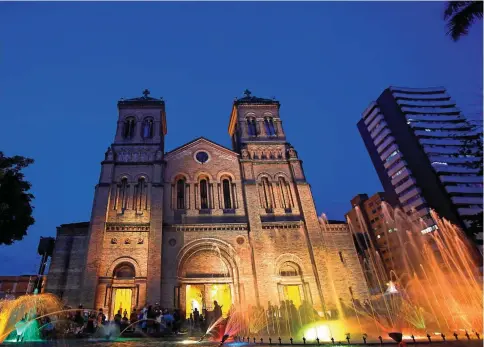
[[202, 297], [291, 293], [122, 301]]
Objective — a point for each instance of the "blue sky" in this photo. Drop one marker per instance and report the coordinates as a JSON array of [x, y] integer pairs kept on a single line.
[[64, 66]]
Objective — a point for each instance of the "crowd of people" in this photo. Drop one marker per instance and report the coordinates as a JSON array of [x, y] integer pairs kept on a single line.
[[148, 320], [153, 320], [200, 322]]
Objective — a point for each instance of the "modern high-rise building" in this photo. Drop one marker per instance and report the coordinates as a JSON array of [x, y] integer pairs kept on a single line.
[[414, 138], [367, 221]]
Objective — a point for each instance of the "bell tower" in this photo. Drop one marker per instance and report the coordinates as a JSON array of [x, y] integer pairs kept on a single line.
[[125, 231], [255, 120]]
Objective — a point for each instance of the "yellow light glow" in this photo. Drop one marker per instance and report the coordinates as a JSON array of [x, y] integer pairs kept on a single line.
[[292, 293], [197, 295], [194, 299], [122, 301], [188, 342], [221, 294], [324, 331]]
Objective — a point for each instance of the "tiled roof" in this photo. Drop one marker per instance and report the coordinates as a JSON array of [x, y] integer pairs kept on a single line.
[[248, 99], [142, 100]]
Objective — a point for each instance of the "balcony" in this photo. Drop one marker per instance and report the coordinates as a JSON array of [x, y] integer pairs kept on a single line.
[[369, 117], [388, 141], [467, 200], [431, 110], [376, 121], [440, 169], [409, 195], [378, 130], [455, 128], [397, 167], [463, 190], [381, 137], [404, 173], [441, 141], [441, 133], [393, 159], [387, 155], [414, 204], [411, 181], [469, 211], [435, 118], [435, 92], [423, 213], [461, 179], [452, 160], [426, 103], [436, 150]]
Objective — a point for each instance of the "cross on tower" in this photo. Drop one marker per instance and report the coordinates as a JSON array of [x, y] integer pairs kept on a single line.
[[247, 93], [146, 92]]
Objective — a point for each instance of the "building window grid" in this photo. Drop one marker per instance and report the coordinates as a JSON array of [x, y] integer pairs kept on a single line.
[[204, 201], [147, 129], [252, 126], [180, 194], [129, 128], [269, 126], [226, 191]]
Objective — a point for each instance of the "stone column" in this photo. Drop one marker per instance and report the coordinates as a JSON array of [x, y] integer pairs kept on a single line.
[[261, 127], [243, 128], [278, 126], [153, 290], [95, 245]]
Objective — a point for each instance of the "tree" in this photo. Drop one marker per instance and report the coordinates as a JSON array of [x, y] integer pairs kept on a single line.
[[460, 15], [15, 199]]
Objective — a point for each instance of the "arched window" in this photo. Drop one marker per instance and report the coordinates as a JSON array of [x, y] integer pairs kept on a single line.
[[140, 196], [203, 194], [285, 192], [266, 193], [227, 194], [123, 193], [147, 128], [180, 194], [129, 125], [251, 126], [124, 270], [289, 269], [269, 126]]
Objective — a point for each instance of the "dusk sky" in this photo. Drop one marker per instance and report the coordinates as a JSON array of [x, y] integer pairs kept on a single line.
[[65, 65]]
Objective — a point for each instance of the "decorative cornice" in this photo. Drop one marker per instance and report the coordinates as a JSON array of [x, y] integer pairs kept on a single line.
[[218, 227], [281, 225], [129, 227]]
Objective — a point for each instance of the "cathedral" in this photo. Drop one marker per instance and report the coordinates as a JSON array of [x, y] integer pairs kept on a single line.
[[203, 222]]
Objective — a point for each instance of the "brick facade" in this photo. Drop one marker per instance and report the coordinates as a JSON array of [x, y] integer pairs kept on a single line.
[[204, 214]]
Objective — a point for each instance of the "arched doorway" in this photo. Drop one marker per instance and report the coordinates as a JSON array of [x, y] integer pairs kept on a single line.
[[207, 272], [291, 286], [123, 289]]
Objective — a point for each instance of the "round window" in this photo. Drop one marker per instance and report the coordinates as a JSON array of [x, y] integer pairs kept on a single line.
[[202, 157]]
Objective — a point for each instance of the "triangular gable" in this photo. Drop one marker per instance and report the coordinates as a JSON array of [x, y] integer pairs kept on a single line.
[[196, 142]]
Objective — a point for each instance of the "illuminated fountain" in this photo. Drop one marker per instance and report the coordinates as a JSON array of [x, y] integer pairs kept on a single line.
[[434, 286], [22, 315], [433, 289]]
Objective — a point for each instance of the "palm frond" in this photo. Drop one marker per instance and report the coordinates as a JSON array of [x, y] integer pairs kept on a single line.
[[453, 7], [461, 15]]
